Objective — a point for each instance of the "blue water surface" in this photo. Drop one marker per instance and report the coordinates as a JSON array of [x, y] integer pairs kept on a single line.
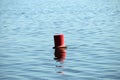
[[92, 34]]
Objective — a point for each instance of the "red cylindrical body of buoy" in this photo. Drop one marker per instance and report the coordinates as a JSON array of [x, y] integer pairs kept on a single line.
[[59, 40]]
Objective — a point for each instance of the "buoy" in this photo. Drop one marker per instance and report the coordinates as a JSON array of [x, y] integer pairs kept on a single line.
[[59, 41]]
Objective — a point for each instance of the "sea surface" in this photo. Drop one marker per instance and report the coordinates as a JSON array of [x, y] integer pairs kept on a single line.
[[92, 33]]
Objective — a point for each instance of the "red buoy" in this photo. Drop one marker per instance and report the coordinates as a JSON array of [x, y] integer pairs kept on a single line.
[[59, 41]]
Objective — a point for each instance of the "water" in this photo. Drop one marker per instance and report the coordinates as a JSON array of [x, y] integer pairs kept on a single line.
[[92, 34]]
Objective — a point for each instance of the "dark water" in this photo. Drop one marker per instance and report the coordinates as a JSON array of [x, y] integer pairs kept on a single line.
[[92, 34]]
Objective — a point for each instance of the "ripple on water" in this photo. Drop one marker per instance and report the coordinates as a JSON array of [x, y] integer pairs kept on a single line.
[[91, 34]]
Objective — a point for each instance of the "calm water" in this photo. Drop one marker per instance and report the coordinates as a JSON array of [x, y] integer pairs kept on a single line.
[[92, 34]]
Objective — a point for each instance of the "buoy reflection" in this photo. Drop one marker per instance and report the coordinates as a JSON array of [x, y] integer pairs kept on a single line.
[[59, 56]]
